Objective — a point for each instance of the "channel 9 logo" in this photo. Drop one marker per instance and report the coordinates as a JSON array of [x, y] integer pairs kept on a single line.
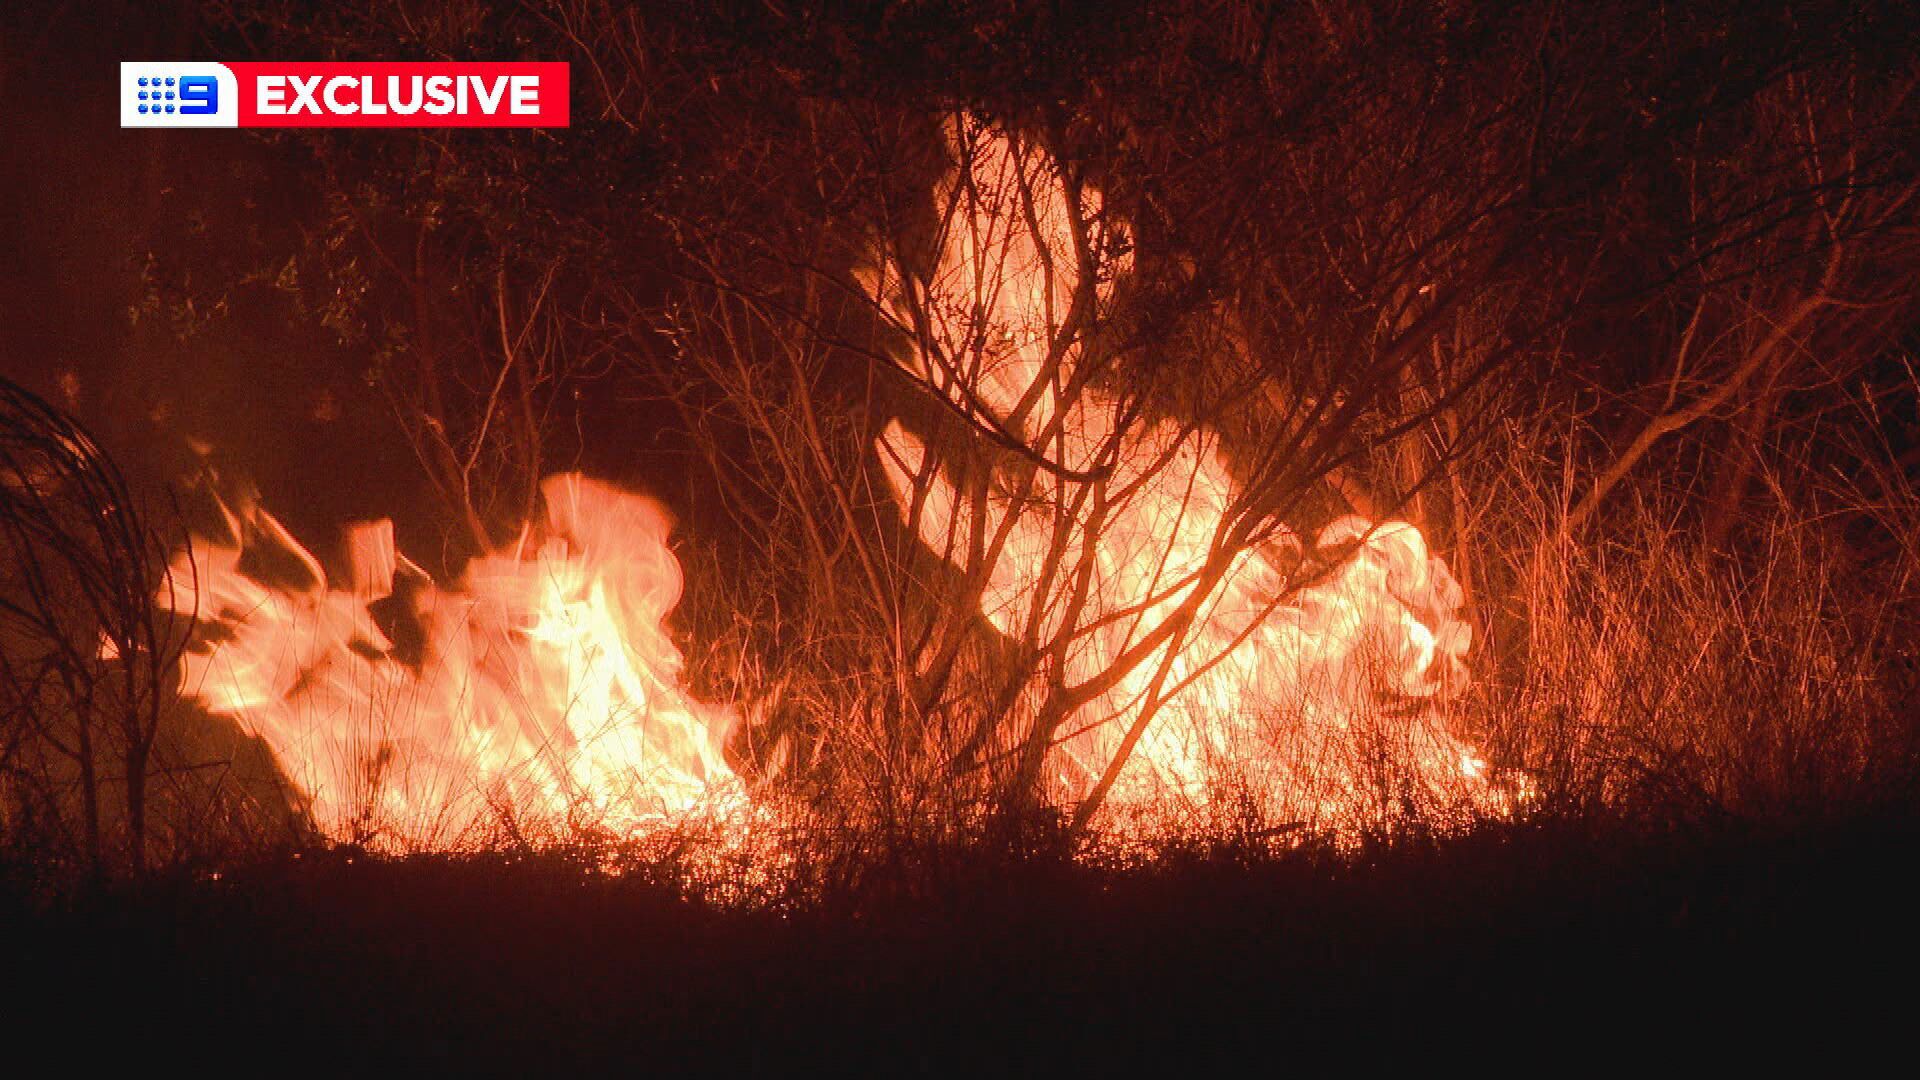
[[199, 95], [183, 94], [372, 94]]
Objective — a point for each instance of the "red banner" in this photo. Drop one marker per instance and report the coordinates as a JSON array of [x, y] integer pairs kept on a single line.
[[402, 94]]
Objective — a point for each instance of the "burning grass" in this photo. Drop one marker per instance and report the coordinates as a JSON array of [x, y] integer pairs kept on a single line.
[[1205, 453], [1651, 683]]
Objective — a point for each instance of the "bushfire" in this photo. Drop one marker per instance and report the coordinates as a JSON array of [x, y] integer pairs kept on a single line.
[[543, 689]]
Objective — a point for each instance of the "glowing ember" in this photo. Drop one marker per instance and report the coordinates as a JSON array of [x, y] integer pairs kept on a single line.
[[1307, 677], [544, 693]]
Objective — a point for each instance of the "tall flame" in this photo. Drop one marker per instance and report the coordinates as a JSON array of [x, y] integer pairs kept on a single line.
[[1307, 675], [544, 690]]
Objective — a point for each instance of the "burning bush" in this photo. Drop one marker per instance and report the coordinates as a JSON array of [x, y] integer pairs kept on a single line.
[[1335, 422]]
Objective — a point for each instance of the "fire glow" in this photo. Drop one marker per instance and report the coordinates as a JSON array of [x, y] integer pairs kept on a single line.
[[544, 693], [545, 690], [1304, 675]]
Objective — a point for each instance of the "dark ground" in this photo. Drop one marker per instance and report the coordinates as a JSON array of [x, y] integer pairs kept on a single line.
[[1533, 951]]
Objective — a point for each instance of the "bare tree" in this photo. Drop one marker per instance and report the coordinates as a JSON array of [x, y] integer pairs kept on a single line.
[[1779, 282]]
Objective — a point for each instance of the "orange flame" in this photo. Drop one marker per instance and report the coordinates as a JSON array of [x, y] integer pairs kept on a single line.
[[1316, 694], [545, 693]]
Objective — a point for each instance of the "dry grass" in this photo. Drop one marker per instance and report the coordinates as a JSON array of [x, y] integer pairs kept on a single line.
[[1644, 674]]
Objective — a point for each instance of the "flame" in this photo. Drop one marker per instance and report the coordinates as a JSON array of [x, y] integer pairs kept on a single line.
[[544, 691], [1310, 675]]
